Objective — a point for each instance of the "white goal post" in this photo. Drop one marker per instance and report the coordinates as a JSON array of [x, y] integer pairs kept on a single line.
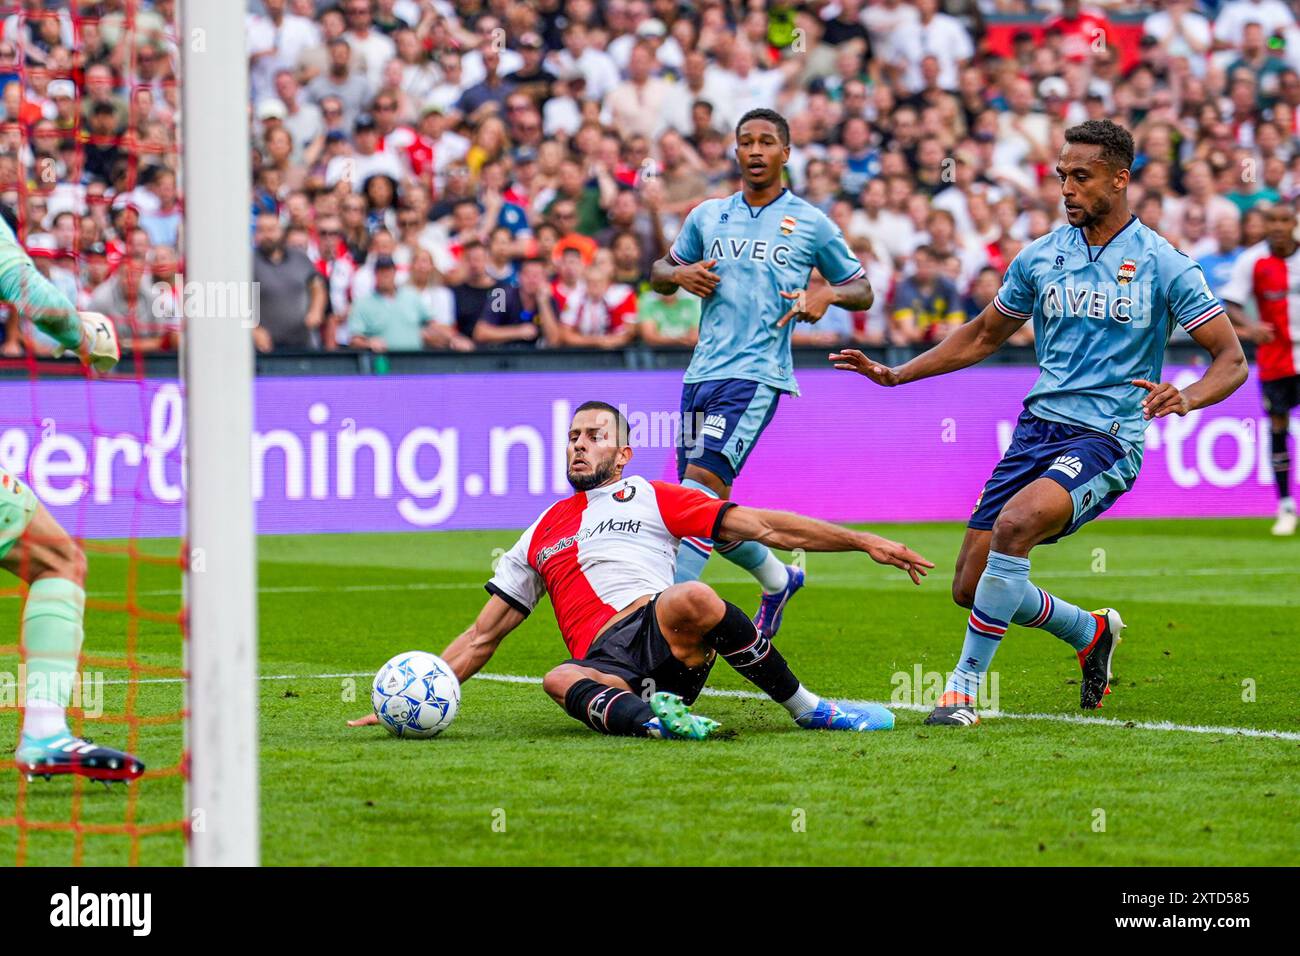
[[217, 366]]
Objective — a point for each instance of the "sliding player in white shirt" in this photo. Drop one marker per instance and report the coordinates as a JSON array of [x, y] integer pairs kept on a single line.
[[642, 646]]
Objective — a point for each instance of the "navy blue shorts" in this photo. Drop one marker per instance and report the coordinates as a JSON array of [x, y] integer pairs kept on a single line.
[[1093, 467], [721, 422]]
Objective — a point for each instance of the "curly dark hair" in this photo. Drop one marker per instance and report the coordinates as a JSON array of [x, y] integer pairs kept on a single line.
[[1115, 141], [773, 117]]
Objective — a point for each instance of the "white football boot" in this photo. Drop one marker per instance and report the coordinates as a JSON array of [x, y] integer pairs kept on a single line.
[[1286, 518]]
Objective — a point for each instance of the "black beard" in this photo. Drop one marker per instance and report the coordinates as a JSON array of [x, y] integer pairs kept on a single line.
[[599, 475]]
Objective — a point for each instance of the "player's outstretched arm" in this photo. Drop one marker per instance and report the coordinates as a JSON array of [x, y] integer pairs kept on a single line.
[[90, 335], [475, 646], [1227, 372], [787, 531], [968, 345]]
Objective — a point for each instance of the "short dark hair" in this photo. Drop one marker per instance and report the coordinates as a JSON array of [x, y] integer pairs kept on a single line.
[[619, 420], [773, 117], [1115, 141]]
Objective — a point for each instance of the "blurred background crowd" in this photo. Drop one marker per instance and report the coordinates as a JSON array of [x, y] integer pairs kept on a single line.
[[431, 174]]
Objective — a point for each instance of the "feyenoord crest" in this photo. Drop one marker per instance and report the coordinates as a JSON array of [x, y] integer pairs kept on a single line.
[[787, 225], [1127, 270], [624, 494]]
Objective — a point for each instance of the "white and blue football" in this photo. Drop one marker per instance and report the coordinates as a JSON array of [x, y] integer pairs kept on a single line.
[[416, 695]]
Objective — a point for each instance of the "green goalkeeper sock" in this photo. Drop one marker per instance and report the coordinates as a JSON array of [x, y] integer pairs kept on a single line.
[[52, 635]]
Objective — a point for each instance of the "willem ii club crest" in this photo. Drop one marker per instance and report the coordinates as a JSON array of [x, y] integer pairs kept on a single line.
[[1127, 270], [787, 225]]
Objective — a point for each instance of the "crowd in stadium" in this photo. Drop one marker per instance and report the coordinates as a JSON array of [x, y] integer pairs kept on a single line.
[[467, 175]]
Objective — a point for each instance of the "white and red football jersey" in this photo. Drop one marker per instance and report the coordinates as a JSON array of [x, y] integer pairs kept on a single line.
[[600, 316], [600, 550], [1277, 294]]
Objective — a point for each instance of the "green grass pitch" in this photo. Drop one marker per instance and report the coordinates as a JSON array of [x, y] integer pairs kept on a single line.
[[1213, 609]]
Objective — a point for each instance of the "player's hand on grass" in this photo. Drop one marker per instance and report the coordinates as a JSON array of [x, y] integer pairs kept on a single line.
[[1162, 399], [697, 278], [808, 306], [851, 360], [365, 721], [883, 551]]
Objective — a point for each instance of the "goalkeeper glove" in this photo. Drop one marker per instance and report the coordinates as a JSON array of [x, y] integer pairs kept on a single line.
[[98, 348]]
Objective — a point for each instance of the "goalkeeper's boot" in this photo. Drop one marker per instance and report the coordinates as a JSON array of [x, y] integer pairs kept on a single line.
[[846, 715], [953, 710], [1095, 658], [99, 348], [64, 753], [673, 719], [772, 607]]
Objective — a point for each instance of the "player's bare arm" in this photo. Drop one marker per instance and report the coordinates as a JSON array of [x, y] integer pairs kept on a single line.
[[1226, 374], [811, 305], [474, 647], [787, 531], [968, 345], [666, 277]]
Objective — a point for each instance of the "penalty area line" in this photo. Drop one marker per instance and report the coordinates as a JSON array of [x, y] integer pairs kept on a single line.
[[1166, 726]]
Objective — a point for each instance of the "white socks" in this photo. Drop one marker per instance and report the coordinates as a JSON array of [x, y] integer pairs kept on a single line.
[[802, 702], [42, 719], [771, 574]]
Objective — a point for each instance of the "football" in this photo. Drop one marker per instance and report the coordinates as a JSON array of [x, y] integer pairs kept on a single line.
[[416, 695]]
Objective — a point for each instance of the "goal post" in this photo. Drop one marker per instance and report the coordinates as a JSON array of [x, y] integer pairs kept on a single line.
[[217, 365]]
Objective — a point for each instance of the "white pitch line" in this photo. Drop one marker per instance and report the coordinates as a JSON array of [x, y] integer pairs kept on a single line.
[[827, 579], [1161, 725]]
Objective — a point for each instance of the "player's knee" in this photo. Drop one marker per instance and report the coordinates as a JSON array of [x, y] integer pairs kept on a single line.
[[1013, 532], [963, 592], [697, 605], [558, 680]]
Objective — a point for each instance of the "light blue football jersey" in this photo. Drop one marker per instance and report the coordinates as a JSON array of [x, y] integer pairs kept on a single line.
[[1102, 317], [761, 253]]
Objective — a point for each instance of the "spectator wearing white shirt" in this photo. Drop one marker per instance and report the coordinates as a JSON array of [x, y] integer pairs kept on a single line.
[[933, 34], [490, 37], [596, 66], [889, 231], [1182, 32], [439, 304], [636, 105], [1230, 24], [276, 41], [696, 83], [749, 87], [374, 45], [303, 120], [885, 20]]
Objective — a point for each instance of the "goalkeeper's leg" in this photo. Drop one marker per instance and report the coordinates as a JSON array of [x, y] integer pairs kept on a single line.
[[34, 547]]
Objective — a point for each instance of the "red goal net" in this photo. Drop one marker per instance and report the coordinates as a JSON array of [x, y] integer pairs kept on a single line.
[[89, 171]]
